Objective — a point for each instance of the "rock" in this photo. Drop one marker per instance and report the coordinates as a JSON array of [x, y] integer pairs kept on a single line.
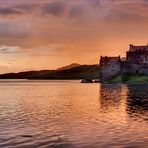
[[96, 81], [86, 81]]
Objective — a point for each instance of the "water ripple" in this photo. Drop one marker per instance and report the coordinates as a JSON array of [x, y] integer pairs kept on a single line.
[[71, 115]]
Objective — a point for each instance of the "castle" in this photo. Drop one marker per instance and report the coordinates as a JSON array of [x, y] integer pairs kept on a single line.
[[136, 62]]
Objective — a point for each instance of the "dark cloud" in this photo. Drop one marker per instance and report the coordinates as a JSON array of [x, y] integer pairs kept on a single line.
[[128, 11], [3, 50], [9, 49], [27, 7], [56, 8], [15, 29], [76, 11], [17, 10], [10, 11], [118, 15], [95, 3]]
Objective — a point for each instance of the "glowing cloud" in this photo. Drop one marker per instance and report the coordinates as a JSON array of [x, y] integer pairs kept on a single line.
[[59, 32]]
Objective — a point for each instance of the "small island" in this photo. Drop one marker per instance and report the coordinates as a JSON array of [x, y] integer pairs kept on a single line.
[[131, 69]]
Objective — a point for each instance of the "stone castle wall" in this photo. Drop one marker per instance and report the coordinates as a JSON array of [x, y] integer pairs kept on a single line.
[[136, 63], [109, 67]]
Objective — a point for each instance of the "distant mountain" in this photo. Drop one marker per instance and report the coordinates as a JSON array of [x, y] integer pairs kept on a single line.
[[79, 72], [69, 66]]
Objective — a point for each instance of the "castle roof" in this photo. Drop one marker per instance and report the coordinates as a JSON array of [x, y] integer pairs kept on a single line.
[[138, 48], [109, 59]]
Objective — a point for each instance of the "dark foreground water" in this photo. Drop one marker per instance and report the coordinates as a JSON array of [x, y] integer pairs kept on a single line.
[[67, 114]]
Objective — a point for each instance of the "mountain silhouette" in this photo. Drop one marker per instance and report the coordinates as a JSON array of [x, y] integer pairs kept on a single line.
[[78, 72]]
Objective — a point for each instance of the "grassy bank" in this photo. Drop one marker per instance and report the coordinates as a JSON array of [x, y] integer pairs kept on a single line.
[[128, 78]]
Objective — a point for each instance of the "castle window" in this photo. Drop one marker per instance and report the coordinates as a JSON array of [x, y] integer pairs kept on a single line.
[[137, 71]]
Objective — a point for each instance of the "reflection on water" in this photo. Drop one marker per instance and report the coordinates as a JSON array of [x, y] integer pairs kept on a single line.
[[138, 97], [137, 102], [67, 114], [111, 97]]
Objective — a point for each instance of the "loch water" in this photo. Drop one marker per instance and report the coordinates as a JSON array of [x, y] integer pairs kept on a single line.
[[69, 114]]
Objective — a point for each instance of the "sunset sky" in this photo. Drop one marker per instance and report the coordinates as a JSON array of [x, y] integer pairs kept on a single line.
[[47, 34]]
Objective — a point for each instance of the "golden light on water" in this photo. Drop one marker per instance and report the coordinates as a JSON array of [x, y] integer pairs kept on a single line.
[[67, 112]]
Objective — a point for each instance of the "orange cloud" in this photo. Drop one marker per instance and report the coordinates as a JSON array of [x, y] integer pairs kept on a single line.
[[59, 32]]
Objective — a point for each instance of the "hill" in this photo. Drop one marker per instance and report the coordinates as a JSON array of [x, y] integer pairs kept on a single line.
[[73, 65], [79, 72]]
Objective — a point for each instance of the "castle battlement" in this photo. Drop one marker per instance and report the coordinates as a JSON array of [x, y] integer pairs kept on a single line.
[[108, 60], [133, 48]]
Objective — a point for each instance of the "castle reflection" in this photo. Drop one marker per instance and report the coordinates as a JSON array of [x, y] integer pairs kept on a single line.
[[127, 99], [111, 96], [137, 101]]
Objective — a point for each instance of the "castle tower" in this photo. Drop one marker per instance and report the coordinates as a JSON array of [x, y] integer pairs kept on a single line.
[[137, 54], [109, 67]]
